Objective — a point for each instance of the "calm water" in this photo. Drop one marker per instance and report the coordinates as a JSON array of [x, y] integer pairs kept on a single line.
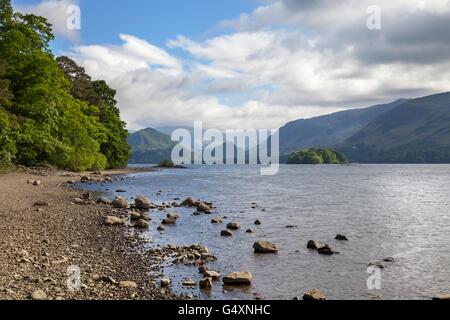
[[400, 211]]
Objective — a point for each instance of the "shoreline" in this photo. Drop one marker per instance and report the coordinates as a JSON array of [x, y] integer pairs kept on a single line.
[[45, 235]]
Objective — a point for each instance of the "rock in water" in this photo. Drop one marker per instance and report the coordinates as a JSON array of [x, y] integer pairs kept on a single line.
[[189, 202], [206, 283], [141, 224], [226, 233], [38, 295], [169, 221], [172, 216], [341, 237], [265, 247], [203, 208], [211, 274], [314, 295], [238, 279], [113, 221], [216, 221], [142, 203], [326, 250], [258, 222], [249, 231], [313, 245], [233, 226], [120, 203], [161, 228], [189, 283]]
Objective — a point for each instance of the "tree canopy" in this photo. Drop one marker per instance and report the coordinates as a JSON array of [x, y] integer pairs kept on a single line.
[[317, 156], [51, 112]]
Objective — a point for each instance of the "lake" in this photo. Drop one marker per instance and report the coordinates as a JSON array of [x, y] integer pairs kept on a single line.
[[399, 211]]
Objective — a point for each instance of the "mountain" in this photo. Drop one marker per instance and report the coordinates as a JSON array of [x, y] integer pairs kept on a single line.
[[330, 130], [150, 146], [417, 131]]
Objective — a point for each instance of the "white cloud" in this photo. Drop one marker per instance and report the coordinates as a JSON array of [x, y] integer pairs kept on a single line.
[[288, 59], [57, 12]]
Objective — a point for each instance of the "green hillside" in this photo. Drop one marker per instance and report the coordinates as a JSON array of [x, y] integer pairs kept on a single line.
[[150, 146]]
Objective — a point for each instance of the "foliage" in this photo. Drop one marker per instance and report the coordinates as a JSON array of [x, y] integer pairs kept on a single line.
[[166, 164], [50, 110], [317, 156]]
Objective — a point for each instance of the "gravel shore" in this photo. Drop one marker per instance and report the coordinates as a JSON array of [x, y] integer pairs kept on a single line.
[[45, 237]]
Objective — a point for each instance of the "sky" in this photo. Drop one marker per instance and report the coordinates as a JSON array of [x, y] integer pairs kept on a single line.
[[254, 63]]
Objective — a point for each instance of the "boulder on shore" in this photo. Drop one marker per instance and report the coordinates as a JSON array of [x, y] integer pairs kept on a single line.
[[113, 221], [314, 295], [142, 203], [238, 279], [141, 224], [38, 295], [165, 282], [265, 247], [128, 284], [442, 297], [120, 203]]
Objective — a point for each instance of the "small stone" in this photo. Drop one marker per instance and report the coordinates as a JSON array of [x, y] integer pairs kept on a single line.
[[326, 250], [444, 297], [169, 221], [38, 295], [78, 201], [258, 222], [202, 207], [249, 231], [128, 284], [135, 215], [113, 221], [172, 216], [37, 183], [161, 228], [314, 295], [189, 202], [41, 204]]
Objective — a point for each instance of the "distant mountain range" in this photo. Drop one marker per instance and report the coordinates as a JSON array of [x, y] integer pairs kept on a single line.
[[404, 131], [150, 146]]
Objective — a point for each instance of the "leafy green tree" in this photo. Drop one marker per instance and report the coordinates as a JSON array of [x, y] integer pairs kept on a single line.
[[44, 117]]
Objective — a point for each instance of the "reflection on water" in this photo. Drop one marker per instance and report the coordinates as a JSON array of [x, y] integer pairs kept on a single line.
[[400, 211]]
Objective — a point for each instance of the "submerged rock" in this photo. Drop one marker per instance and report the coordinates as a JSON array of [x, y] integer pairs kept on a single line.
[[216, 221], [238, 279], [161, 228], [265, 247], [314, 295]]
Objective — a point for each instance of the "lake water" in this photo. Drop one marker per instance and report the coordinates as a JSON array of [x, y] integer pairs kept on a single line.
[[399, 211]]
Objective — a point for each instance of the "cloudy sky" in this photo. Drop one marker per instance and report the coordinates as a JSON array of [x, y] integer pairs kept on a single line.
[[254, 63]]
